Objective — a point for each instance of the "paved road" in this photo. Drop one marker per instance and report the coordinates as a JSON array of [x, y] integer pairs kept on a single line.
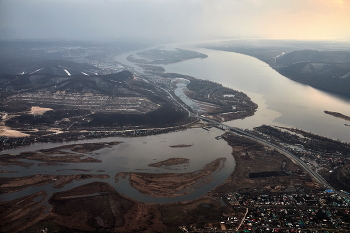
[[290, 155], [241, 132]]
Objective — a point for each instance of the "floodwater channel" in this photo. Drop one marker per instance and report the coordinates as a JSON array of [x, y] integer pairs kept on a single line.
[[281, 102]]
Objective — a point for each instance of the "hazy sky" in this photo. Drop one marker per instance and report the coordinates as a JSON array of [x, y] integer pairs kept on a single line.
[[175, 19]]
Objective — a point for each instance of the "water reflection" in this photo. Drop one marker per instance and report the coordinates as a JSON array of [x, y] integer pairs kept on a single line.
[[134, 155], [281, 101]]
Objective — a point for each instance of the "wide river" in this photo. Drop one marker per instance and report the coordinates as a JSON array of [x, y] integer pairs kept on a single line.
[[281, 102]]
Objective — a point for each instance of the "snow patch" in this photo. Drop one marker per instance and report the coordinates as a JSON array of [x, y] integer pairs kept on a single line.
[[67, 72], [229, 95], [347, 75], [36, 70]]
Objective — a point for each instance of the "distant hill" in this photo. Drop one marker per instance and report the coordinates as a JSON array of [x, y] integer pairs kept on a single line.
[[97, 84], [324, 69], [78, 90], [45, 66], [79, 97], [308, 55]]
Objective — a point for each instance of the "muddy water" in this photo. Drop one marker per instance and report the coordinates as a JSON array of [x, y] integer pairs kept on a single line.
[[134, 155], [281, 102]]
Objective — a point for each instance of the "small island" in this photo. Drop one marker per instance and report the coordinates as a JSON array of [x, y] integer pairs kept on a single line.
[[338, 115], [170, 162], [74, 153], [172, 184], [180, 145]]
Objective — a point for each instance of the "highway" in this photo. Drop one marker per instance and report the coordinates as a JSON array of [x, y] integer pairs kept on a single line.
[[243, 133], [288, 154]]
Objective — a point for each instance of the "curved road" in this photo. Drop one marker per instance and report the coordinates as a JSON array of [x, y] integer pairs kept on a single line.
[[241, 132], [288, 154]]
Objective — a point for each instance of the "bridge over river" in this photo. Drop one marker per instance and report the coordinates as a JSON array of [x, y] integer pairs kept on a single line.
[[278, 148], [290, 155], [246, 134]]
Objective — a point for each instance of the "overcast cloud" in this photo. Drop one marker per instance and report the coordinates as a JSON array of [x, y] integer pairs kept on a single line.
[[174, 19]]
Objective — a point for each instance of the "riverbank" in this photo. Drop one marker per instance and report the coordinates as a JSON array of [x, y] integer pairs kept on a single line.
[[97, 206], [75, 153], [15, 184], [76, 135], [338, 115], [170, 162], [211, 99], [277, 106], [180, 146], [172, 184]]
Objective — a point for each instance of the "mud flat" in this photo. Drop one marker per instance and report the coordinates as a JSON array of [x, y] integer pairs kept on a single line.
[[172, 184], [91, 207], [170, 162], [80, 148], [105, 210], [15, 184], [4, 171], [181, 145], [82, 170], [97, 207], [338, 115], [13, 160], [56, 155], [8, 132], [22, 212], [49, 160]]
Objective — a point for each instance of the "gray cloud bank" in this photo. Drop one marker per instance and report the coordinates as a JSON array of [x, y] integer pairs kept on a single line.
[[158, 19]]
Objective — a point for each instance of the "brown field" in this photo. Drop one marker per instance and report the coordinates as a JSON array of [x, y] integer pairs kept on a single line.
[[62, 155], [15, 184], [254, 158], [172, 184]]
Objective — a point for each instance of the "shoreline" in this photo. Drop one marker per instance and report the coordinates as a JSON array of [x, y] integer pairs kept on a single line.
[[338, 115], [73, 153], [75, 207], [180, 146], [172, 184], [20, 142], [170, 162]]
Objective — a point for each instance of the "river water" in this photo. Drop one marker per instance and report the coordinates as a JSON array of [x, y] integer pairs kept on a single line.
[[281, 102], [134, 155]]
